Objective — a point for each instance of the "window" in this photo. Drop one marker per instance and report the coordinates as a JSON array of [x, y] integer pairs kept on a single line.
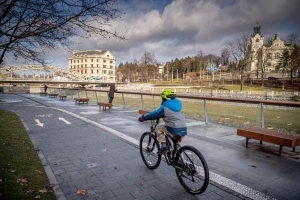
[[269, 64], [91, 60], [269, 56], [85, 60], [81, 60], [111, 66], [257, 40], [107, 55], [92, 71], [91, 65], [97, 71], [97, 60], [104, 61], [103, 71], [111, 61], [97, 65], [104, 66], [277, 55], [77, 61]]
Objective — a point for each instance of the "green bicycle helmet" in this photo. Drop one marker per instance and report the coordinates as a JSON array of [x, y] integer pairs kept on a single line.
[[168, 94]]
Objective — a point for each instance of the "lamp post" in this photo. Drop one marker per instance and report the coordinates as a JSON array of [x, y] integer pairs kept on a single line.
[[172, 73]]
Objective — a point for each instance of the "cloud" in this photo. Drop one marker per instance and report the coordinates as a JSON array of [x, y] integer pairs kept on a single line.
[[175, 29]]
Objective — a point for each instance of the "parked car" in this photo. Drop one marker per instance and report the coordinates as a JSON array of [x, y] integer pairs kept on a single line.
[[272, 78]]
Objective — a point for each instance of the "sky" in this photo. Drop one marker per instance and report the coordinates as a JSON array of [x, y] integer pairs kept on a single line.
[[180, 28]]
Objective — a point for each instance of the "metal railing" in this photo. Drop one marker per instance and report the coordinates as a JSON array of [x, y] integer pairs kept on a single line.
[[230, 111]]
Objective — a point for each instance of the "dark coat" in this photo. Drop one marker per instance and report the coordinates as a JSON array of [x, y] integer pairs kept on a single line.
[[112, 91]]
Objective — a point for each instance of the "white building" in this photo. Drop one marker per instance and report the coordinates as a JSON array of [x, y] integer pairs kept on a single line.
[[95, 64], [267, 55]]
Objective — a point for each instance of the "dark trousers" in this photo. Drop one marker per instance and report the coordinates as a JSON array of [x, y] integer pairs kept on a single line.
[[110, 99]]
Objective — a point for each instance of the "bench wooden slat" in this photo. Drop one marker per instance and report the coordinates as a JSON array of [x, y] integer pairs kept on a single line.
[[52, 95], [282, 138], [104, 105], [143, 112], [43, 93], [81, 100]]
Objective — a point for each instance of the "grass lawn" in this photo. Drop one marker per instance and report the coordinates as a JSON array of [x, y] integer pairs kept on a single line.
[[22, 174]]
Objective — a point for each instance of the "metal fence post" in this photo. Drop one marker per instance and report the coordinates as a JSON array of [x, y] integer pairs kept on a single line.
[[123, 99], [262, 115], [78, 94], [142, 100], [86, 94], [205, 111], [96, 96]]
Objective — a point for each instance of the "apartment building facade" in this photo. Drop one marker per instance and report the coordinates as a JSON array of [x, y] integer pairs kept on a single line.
[[94, 64]]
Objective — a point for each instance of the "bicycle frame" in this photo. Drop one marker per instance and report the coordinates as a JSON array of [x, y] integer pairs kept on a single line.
[[172, 143]]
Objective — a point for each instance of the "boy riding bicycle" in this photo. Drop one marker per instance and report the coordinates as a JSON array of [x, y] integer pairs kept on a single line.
[[170, 111]]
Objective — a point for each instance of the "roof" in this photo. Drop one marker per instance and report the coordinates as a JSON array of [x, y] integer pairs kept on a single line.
[[276, 36], [89, 52]]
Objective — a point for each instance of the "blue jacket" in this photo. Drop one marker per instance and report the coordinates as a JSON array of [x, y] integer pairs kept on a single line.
[[174, 119]]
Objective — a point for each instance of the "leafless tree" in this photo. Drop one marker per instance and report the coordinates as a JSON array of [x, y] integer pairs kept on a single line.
[[293, 39], [238, 51], [30, 28], [147, 66]]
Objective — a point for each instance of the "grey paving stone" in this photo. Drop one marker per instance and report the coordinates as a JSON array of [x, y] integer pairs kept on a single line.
[[126, 196], [68, 189], [116, 179], [143, 192], [107, 187], [211, 196], [124, 190]]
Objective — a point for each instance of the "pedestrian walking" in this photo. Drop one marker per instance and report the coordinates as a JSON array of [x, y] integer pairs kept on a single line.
[[111, 93], [45, 88]]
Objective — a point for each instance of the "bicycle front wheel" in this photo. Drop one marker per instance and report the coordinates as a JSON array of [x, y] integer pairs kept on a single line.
[[149, 147], [192, 170]]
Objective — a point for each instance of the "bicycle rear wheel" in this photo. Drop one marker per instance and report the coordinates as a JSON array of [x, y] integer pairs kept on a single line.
[[192, 170], [149, 147]]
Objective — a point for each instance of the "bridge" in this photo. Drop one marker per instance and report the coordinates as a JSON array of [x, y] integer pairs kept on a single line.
[[7, 75]]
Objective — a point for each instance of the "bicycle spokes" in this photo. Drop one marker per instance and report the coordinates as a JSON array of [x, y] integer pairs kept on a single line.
[[148, 149], [194, 175]]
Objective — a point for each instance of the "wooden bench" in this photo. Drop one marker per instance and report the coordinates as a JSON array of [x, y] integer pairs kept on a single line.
[[143, 112], [43, 93], [62, 97], [82, 100], [282, 138], [104, 105], [52, 95]]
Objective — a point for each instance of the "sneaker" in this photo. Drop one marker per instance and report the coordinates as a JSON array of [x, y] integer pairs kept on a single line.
[[163, 149]]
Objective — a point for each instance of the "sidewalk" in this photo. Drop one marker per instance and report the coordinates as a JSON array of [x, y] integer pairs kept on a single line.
[[98, 153]]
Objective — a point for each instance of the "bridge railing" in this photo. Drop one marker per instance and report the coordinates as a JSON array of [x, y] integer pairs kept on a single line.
[[279, 115]]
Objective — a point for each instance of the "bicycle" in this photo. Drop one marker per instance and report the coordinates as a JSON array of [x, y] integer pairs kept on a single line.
[[190, 166]]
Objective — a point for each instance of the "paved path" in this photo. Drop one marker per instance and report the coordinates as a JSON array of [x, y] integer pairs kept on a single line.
[[83, 148]]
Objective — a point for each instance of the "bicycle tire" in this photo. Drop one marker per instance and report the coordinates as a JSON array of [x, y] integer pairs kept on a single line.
[[192, 170], [149, 147]]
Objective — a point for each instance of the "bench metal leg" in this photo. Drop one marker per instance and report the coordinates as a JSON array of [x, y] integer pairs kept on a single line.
[[247, 139], [260, 142], [294, 148], [280, 150]]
